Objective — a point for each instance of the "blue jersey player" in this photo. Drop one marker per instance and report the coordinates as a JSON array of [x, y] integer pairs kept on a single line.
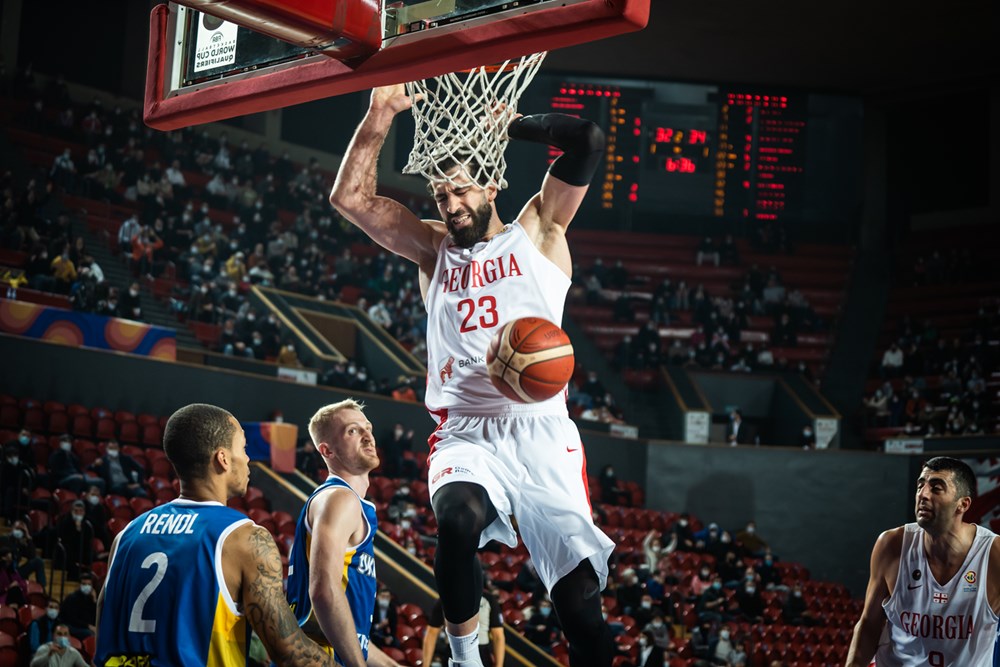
[[185, 578], [331, 568]]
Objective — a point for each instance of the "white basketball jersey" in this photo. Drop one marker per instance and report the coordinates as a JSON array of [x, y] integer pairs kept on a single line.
[[473, 293], [939, 625]]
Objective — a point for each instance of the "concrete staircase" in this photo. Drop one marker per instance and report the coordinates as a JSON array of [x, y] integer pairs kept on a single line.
[[117, 274]]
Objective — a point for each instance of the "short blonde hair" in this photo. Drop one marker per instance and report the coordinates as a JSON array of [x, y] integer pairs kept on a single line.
[[319, 425]]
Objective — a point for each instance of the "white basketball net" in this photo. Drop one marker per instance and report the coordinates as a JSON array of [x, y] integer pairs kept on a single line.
[[464, 116]]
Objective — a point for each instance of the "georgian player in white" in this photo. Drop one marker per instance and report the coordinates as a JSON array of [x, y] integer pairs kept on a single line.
[[491, 457], [934, 593]]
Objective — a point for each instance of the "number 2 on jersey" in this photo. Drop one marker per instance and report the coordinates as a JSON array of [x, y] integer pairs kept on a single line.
[[488, 319], [136, 623]]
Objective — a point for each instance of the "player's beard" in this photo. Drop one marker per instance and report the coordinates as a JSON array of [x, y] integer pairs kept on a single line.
[[469, 236]]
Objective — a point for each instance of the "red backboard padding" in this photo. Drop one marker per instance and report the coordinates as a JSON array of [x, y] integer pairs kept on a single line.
[[410, 57]]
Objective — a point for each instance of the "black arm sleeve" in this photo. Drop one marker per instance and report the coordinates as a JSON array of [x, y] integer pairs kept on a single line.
[[581, 141]]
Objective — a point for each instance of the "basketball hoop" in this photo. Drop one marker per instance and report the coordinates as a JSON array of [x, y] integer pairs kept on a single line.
[[463, 116]]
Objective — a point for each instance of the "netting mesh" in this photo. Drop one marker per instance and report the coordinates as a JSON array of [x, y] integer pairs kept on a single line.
[[464, 116]]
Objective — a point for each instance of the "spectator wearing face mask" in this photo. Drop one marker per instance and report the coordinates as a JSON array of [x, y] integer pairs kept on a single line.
[[751, 606], [723, 647], [384, 621], [17, 479], [644, 613], [40, 630], [541, 627], [121, 473], [76, 535], [629, 593], [65, 471], [712, 604], [612, 491], [130, 304], [396, 445], [651, 654], [684, 535], [659, 632], [79, 609], [22, 443], [796, 610], [26, 559], [97, 514], [701, 581], [753, 544], [654, 549], [58, 652]]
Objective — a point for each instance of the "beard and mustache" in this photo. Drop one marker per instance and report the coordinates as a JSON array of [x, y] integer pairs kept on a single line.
[[470, 235]]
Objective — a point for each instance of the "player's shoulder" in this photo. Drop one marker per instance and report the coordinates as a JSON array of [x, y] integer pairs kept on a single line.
[[890, 543]]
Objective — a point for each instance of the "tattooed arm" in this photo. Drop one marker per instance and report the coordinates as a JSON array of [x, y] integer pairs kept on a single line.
[[252, 568]]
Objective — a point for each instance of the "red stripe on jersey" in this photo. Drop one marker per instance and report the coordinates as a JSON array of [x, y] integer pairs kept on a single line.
[[441, 416]]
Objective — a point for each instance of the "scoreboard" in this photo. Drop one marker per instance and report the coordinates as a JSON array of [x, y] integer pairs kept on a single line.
[[705, 151]]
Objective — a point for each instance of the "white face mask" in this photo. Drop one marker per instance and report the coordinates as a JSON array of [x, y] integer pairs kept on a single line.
[[112, 453], [52, 613], [65, 446], [17, 533], [94, 500], [86, 589]]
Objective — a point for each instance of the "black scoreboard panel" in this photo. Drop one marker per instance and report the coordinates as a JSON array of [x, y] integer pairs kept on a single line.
[[734, 154]]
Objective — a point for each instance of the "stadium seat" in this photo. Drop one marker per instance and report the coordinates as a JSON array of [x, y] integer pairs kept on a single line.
[[116, 525], [140, 505], [82, 426], [152, 436], [123, 416], [9, 657], [128, 431], [415, 657], [106, 429], [7, 639], [35, 420]]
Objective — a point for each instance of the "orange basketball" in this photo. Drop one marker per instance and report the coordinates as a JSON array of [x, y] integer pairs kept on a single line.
[[530, 360]]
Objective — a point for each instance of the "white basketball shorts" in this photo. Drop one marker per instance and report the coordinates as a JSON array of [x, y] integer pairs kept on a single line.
[[532, 465]]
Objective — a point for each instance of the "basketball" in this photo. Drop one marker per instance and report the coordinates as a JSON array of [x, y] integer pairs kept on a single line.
[[530, 360]]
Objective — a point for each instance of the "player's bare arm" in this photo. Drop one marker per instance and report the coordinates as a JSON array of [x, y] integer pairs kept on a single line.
[[386, 221], [498, 642], [377, 658], [547, 215], [993, 578], [251, 558], [884, 568], [336, 522]]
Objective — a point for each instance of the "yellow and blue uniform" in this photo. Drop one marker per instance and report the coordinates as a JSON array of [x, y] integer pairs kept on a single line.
[[165, 597], [357, 574]]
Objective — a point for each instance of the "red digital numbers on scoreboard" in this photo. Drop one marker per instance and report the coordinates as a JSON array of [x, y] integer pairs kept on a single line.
[[668, 135], [681, 165]]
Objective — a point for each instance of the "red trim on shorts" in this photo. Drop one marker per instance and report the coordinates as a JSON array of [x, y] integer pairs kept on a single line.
[[441, 416], [586, 484]]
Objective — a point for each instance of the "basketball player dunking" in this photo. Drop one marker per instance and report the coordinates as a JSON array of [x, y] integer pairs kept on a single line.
[[490, 457], [934, 591]]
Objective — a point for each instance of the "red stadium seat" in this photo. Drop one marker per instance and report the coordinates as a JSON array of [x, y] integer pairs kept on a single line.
[[128, 431], [75, 409], [9, 657], [152, 436], [82, 426], [106, 429], [122, 416], [102, 413], [148, 420], [116, 525], [140, 505], [34, 420], [53, 406], [10, 416], [37, 520]]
